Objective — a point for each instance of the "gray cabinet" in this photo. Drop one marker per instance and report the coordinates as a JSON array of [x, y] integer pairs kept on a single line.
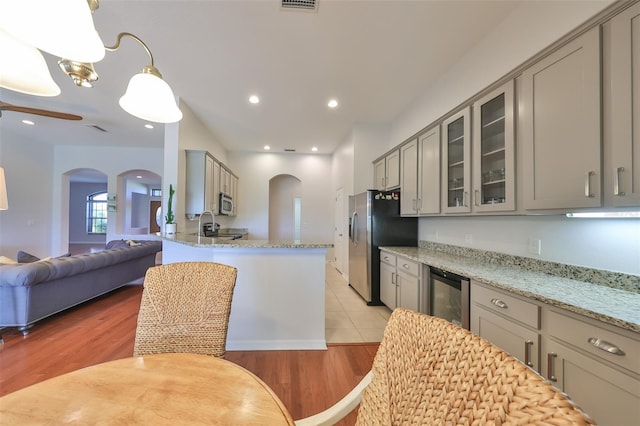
[[597, 365], [386, 171], [206, 178], [388, 279], [494, 151], [598, 368], [509, 322], [400, 280], [408, 283], [624, 167], [561, 132], [420, 174], [200, 178], [456, 162]]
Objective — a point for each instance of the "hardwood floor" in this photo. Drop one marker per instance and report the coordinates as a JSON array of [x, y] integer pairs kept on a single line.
[[103, 329]]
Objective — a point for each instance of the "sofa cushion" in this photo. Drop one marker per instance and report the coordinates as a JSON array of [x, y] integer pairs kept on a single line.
[[24, 257]]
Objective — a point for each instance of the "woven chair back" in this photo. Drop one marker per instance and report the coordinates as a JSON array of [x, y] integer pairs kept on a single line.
[[428, 371], [185, 307]]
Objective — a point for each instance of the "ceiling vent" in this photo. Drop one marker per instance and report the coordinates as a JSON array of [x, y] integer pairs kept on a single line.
[[309, 5], [289, 150], [95, 126]]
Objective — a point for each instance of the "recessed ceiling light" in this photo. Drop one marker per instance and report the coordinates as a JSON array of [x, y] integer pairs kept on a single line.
[[149, 126], [332, 103], [254, 99], [267, 147], [314, 149], [29, 122], [138, 177]]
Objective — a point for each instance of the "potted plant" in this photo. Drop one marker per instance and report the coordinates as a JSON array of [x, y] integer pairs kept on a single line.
[[170, 225]]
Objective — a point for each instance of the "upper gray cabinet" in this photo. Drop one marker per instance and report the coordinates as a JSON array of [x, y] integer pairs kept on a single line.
[[493, 151], [456, 162], [386, 171], [561, 131], [624, 167], [420, 174]]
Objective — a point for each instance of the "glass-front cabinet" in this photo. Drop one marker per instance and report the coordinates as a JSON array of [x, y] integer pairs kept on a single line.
[[493, 151], [456, 156]]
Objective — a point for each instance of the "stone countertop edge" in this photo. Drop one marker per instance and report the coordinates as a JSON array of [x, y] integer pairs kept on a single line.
[[208, 242], [609, 305]]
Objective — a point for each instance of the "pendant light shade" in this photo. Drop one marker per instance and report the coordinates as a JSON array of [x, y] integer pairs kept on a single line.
[[63, 28], [4, 205], [150, 98], [23, 68]]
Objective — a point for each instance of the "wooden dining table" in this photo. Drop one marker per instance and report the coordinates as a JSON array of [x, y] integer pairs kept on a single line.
[[161, 389]]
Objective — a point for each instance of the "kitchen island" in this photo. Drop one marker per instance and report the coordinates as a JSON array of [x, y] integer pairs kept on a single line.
[[279, 298]]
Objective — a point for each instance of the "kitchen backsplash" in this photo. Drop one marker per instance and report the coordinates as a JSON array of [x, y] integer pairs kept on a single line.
[[596, 276]]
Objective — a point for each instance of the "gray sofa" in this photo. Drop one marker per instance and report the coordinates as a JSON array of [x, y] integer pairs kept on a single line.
[[30, 292]]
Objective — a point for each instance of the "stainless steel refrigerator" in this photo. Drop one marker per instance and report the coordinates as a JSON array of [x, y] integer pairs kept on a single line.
[[375, 221]]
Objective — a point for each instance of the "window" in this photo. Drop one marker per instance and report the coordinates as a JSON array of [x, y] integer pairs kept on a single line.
[[97, 213]]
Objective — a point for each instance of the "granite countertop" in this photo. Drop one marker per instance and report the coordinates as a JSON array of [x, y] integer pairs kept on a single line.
[[221, 242], [615, 306]]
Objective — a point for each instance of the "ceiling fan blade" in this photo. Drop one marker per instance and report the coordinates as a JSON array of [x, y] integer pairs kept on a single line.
[[46, 113]]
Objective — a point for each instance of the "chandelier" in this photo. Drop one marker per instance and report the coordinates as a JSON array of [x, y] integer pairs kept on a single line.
[[65, 28]]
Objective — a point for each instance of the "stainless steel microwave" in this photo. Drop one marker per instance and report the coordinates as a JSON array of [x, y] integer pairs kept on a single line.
[[226, 204]]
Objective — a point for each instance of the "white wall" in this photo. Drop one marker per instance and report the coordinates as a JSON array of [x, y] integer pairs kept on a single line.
[[369, 142], [611, 244], [28, 170], [529, 29], [256, 169]]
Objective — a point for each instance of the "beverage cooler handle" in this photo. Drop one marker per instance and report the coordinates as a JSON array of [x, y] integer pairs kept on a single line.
[[353, 228]]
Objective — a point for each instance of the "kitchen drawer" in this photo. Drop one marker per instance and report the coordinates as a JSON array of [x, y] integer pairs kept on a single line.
[[578, 334], [497, 301], [388, 258], [409, 266]]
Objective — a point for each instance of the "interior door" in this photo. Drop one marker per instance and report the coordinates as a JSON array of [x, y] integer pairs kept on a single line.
[[153, 208]]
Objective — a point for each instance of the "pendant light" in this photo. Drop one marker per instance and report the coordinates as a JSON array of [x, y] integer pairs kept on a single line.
[[23, 68], [63, 28]]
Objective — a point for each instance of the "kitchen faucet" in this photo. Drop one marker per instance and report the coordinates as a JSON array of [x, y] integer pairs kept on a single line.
[[213, 220]]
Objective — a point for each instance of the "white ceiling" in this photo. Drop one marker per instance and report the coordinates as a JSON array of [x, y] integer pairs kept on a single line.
[[375, 57]]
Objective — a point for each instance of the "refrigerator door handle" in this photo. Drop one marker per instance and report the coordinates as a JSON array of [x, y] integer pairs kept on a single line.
[[354, 228]]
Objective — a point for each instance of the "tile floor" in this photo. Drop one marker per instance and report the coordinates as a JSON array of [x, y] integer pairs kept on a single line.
[[348, 318]]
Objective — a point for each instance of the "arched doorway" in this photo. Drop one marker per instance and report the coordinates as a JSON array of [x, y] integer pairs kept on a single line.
[[87, 210], [285, 207]]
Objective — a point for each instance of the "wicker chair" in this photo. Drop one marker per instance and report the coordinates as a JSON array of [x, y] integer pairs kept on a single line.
[[185, 307], [430, 372]]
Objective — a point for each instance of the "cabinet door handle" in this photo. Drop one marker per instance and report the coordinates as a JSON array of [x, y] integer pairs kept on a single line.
[[419, 205], [551, 366], [393, 278], [528, 344], [465, 196], [616, 181], [605, 346], [587, 184], [499, 303], [476, 197]]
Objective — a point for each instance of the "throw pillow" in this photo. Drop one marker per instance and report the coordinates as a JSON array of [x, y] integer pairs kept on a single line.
[[24, 257], [116, 244], [4, 260]]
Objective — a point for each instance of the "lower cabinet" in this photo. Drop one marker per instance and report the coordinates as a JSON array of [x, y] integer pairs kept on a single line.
[[597, 365], [388, 279], [508, 322], [400, 280]]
